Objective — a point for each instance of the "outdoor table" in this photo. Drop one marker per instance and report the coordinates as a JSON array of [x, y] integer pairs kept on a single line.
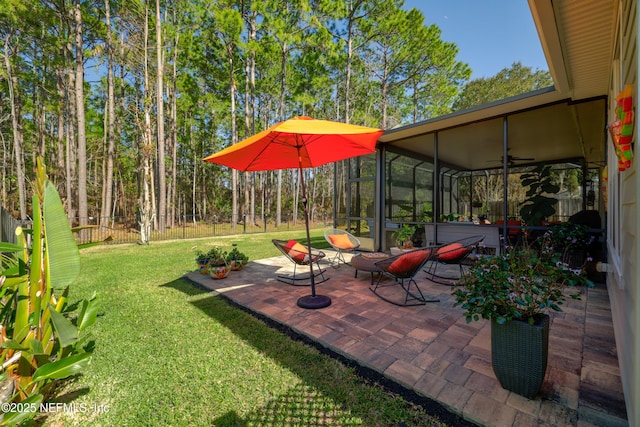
[[367, 262]]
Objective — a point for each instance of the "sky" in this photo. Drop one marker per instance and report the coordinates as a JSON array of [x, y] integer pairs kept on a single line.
[[490, 34]]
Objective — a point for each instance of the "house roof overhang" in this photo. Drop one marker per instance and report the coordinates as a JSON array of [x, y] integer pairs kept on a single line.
[[564, 122]]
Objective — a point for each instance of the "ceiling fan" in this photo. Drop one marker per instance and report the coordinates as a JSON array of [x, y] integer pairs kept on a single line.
[[511, 160]]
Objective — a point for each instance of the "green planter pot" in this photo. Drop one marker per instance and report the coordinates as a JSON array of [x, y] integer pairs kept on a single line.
[[519, 354]]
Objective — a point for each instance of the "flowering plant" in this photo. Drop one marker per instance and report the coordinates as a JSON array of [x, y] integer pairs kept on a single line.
[[522, 282]]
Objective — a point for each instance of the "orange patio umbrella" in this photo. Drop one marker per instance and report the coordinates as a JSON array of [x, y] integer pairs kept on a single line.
[[300, 142]]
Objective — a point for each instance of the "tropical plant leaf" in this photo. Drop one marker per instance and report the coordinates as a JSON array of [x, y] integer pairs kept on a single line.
[[21, 324], [36, 272], [62, 255], [31, 406], [88, 245], [9, 247], [14, 281], [36, 347], [88, 313], [62, 368], [13, 345], [66, 331]]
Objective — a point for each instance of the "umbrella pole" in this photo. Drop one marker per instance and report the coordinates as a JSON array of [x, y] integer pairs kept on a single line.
[[310, 301]]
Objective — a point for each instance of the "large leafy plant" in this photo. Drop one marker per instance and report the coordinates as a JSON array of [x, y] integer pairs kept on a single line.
[[521, 283], [40, 341], [538, 204]]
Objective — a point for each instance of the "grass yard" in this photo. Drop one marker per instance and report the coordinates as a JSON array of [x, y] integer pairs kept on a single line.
[[168, 353]]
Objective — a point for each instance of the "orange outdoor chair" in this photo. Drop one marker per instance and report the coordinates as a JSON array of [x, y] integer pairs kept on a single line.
[[402, 269], [298, 254], [514, 232], [342, 242], [452, 253]]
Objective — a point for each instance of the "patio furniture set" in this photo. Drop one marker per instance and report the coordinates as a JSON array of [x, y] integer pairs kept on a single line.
[[401, 269]]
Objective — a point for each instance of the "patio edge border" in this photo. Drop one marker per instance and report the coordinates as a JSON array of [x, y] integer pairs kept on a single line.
[[433, 407]]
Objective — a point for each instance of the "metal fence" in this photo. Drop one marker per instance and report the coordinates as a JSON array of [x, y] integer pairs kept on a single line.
[[127, 230], [114, 230], [8, 225]]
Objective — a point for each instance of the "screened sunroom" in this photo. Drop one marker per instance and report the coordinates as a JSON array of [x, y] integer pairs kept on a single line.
[[464, 170]]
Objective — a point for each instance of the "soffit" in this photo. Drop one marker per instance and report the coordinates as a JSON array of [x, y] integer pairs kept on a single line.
[[578, 39]]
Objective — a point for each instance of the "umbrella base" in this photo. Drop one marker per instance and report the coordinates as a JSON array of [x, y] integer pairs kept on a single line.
[[314, 302]]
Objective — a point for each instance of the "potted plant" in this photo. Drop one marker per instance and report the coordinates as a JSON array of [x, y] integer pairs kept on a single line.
[[451, 217], [218, 268], [202, 259], [236, 259], [403, 236], [514, 290], [538, 205]]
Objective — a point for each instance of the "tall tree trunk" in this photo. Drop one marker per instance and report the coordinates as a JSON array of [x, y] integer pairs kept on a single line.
[[195, 176], [250, 99], [39, 108], [295, 189], [347, 79], [281, 110], [162, 185], [111, 121], [146, 149], [234, 139], [71, 146], [174, 134], [17, 129], [59, 160], [5, 161], [83, 211], [122, 206]]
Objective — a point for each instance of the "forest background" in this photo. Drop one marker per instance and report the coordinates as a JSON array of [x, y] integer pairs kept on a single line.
[[124, 98]]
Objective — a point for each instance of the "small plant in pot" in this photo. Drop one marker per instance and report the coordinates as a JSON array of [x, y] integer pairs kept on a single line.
[[202, 259], [514, 290], [403, 236], [236, 259], [218, 268]]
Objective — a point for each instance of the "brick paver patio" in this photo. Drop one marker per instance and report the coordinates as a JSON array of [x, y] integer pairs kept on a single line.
[[432, 351]]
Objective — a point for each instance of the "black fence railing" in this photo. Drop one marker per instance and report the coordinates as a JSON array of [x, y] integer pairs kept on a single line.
[[127, 230]]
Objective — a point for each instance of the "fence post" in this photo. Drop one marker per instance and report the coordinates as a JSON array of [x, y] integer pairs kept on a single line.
[[244, 224], [215, 219]]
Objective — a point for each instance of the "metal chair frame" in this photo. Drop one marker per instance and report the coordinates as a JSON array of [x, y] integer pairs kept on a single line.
[[300, 258], [340, 251], [404, 279], [468, 244]]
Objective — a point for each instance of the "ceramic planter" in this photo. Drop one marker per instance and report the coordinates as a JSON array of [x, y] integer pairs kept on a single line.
[[203, 265], [236, 264], [218, 271], [519, 353]]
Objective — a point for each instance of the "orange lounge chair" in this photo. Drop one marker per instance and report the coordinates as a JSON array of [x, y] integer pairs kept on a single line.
[[342, 242], [298, 254], [402, 268], [452, 253]]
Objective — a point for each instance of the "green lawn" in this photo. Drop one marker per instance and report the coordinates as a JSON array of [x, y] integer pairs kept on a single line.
[[168, 353]]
